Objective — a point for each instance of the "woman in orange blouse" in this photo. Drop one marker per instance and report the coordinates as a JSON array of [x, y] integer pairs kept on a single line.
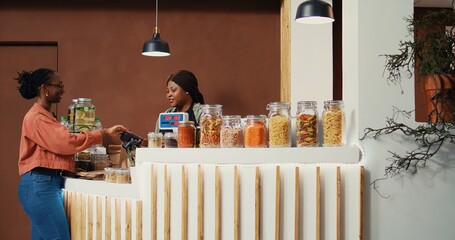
[[46, 154]]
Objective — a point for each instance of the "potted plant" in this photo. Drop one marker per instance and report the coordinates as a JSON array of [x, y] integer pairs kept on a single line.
[[429, 56]]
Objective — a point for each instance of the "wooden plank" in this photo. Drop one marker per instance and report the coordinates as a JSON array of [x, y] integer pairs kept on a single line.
[[217, 204], [285, 51], [167, 205], [338, 203], [318, 203], [236, 204], [84, 216], [118, 220], [184, 203], [277, 203], [107, 218], [200, 204], [297, 203], [362, 183], [68, 207], [73, 214], [154, 207], [138, 219], [128, 220], [99, 217], [90, 224], [257, 205]]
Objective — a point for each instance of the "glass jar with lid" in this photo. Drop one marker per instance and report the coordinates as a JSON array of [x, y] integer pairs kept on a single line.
[[306, 124], [333, 124], [210, 125], [155, 140], [170, 140], [255, 131], [279, 124], [231, 132], [185, 134], [71, 115], [84, 112]]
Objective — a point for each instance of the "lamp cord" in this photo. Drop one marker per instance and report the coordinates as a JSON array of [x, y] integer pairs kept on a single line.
[[156, 14]]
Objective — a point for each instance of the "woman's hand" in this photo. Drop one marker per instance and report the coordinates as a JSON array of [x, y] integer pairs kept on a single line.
[[114, 130]]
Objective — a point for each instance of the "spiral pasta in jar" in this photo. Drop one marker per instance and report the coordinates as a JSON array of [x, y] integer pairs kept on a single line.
[[210, 126], [231, 132], [279, 122], [255, 131], [306, 124], [333, 124]]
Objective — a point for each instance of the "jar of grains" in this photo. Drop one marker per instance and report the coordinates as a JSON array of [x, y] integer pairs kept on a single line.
[[170, 140], [185, 134], [255, 131], [231, 132], [210, 126], [306, 124], [279, 121], [155, 140], [333, 124]]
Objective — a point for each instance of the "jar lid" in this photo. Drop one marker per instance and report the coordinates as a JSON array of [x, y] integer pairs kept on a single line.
[[275, 105], [170, 135], [307, 103], [231, 117]]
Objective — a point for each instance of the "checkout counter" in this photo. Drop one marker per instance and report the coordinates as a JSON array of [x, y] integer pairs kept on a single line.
[[225, 193]]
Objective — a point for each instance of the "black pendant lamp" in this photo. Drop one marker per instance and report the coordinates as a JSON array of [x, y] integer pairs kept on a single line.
[[156, 47], [314, 12]]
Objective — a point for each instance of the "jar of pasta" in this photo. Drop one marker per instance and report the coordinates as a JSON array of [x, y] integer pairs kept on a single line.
[[279, 122], [306, 124], [255, 131], [231, 132], [210, 125], [185, 134], [333, 124]]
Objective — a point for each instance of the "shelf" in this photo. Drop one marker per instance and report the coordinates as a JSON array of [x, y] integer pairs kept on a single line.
[[246, 156]]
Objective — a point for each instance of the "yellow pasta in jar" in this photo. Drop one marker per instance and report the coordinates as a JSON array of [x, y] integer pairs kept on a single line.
[[279, 131], [332, 126]]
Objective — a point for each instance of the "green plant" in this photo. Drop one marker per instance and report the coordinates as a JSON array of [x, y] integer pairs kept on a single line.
[[429, 52]]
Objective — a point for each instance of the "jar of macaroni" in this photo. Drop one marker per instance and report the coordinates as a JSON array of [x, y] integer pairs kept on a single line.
[[210, 125], [255, 131], [333, 124], [185, 134], [306, 124], [279, 124], [231, 132]]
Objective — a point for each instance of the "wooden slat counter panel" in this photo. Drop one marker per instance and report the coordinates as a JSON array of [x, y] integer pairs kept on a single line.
[[286, 201], [103, 217]]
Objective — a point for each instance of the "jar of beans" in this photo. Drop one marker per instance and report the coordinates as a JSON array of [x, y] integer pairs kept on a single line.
[[306, 124], [231, 132]]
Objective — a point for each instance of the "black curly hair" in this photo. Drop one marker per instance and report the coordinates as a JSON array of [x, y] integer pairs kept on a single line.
[[30, 81]]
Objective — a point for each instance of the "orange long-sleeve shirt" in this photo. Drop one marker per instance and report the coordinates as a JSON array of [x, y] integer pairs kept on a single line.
[[47, 143]]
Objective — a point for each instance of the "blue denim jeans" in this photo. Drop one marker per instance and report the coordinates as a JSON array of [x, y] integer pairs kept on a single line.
[[41, 198]]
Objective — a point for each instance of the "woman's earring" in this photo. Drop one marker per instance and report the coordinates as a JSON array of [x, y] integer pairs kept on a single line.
[[186, 93]]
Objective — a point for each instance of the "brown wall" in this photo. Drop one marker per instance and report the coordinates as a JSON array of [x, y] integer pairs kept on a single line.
[[231, 46]]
